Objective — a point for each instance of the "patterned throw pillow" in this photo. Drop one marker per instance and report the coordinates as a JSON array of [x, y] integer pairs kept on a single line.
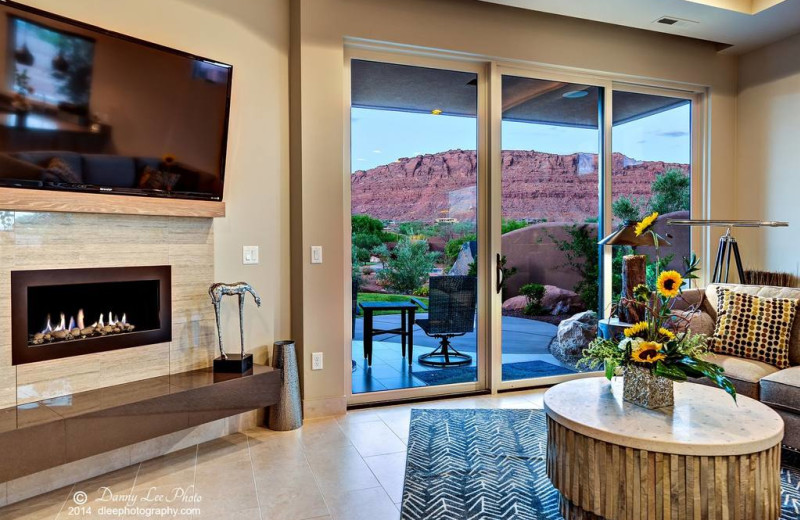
[[158, 180], [59, 171], [754, 328]]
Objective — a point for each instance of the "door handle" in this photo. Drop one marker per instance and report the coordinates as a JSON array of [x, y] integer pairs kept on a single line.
[[499, 268]]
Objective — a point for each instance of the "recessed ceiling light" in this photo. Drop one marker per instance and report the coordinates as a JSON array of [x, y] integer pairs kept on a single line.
[[575, 94], [436, 111]]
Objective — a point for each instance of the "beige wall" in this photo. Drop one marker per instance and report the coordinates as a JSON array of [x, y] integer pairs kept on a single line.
[[254, 38], [457, 25], [767, 151]]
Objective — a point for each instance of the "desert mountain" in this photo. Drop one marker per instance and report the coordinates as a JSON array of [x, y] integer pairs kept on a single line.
[[536, 185]]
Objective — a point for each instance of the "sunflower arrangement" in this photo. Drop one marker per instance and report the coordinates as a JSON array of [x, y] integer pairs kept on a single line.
[[651, 343]]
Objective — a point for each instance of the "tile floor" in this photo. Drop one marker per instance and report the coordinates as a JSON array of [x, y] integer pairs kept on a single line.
[[349, 467]]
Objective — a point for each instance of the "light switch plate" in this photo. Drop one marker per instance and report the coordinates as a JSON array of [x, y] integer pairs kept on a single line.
[[316, 361], [316, 254], [249, 255]]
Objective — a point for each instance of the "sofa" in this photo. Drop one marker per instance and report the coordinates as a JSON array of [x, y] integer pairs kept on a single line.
[[114, 171], [779, 389]]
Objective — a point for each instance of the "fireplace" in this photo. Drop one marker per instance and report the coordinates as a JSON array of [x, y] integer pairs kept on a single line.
[[69, 312]]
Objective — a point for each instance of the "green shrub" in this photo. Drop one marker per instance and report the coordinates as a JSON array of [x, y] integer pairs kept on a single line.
[[366, 241], [581, 251], [533, 293], [627, 208], [421, 291], [408, 266], [361, 255], [671, 192], [453, 247], [508, 272], [509, 225], [365, 224]]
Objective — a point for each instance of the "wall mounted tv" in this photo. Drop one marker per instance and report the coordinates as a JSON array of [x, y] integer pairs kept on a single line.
[[89, 110]]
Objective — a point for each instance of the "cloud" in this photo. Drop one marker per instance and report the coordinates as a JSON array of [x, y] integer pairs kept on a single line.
[[377, 151], [675, 133]]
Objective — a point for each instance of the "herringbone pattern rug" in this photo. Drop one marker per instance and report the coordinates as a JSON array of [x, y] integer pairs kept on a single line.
[[490, 465]]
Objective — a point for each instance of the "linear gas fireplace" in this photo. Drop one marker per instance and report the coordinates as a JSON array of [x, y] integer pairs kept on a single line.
[[68, 312]]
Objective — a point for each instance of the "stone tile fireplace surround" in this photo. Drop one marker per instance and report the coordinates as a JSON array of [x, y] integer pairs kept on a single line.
[[32, 241]]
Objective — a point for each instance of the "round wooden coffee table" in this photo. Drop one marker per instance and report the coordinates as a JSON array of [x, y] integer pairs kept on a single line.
[[704, 458]]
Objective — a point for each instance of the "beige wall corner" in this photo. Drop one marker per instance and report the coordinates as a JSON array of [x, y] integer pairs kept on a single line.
[[767, 172]]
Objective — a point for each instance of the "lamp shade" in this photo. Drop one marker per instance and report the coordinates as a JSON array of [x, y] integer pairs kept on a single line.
[[626, 236]]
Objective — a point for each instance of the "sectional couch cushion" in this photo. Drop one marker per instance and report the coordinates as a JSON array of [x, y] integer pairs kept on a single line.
[[763, 291], [745, 374], [109, 170], [782, 389], [42, 159]]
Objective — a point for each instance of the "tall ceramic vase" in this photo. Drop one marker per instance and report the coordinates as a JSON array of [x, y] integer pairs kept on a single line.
[[642, 388]]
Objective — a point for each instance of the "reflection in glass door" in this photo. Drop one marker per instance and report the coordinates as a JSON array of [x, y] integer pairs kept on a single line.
[[414, 177], [652, 156], [550, 166]]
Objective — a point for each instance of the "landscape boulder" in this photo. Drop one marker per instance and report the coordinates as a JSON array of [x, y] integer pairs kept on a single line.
[[560, 300], [574, 335], [516, 303]]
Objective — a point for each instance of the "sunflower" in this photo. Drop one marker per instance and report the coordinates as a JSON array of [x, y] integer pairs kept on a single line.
[[648, 352], [666, 333], [635, 329], [646, 223], [669, 284]]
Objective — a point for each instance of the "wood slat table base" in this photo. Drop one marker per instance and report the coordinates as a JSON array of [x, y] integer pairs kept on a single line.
[[601, 480]]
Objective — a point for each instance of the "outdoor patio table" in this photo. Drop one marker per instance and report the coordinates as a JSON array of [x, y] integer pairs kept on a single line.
[[406, 329]]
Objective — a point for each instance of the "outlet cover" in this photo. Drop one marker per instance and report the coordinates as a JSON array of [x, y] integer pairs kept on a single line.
[[316, 254], [316, 361]]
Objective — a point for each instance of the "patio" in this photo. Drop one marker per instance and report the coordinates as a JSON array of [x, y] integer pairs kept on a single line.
[[524, 341]]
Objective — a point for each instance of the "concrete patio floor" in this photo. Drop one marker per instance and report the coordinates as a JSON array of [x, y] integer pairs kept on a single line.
[[523, 340]]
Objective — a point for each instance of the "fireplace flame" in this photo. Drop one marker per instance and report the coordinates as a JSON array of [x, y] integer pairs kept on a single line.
[[80, 319], [48, 327], [124, 319], [62, 324]]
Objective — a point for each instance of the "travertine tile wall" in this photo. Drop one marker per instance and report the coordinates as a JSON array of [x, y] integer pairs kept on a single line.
[[66, 240]]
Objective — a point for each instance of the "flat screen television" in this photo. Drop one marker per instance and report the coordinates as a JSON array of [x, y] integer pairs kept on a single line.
[[90, 110]]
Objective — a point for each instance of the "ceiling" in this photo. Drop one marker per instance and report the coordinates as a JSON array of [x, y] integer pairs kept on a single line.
[[387, 86], [743, 25]]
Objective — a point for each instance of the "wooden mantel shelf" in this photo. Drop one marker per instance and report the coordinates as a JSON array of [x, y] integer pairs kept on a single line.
[[20, 199]]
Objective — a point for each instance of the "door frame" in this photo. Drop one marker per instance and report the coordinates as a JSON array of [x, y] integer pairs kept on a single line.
[[489, 187], [443, 61]]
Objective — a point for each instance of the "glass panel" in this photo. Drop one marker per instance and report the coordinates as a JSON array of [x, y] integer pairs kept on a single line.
[[550, 145], [414, 208], [652, 151]]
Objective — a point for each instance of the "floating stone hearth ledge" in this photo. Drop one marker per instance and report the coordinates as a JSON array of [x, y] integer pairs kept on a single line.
[[53, 432]]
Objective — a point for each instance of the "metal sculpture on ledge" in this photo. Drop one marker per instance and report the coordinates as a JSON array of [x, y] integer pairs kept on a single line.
[[237, 363]]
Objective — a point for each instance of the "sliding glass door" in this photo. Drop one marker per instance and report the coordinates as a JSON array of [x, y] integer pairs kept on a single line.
[[549, 199], [478, 194], [414, 179]]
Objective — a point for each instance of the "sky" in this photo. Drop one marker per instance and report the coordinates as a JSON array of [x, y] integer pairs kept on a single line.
[[381, 136]]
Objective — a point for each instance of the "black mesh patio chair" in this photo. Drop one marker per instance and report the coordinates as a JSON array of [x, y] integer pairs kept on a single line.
[[451, 312]]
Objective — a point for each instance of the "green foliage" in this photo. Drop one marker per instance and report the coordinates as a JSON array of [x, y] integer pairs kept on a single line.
[[365, 224], [533, 293], [356, 265], [411, 228], [509, 225], [671, 192], [366, 241], [581, 251], [627, 209], [421, 291], [453, 247], [408, 266], [383, 297], [361, 255]]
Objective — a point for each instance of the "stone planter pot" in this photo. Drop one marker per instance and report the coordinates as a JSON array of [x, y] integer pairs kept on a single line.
[[642, 388]]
